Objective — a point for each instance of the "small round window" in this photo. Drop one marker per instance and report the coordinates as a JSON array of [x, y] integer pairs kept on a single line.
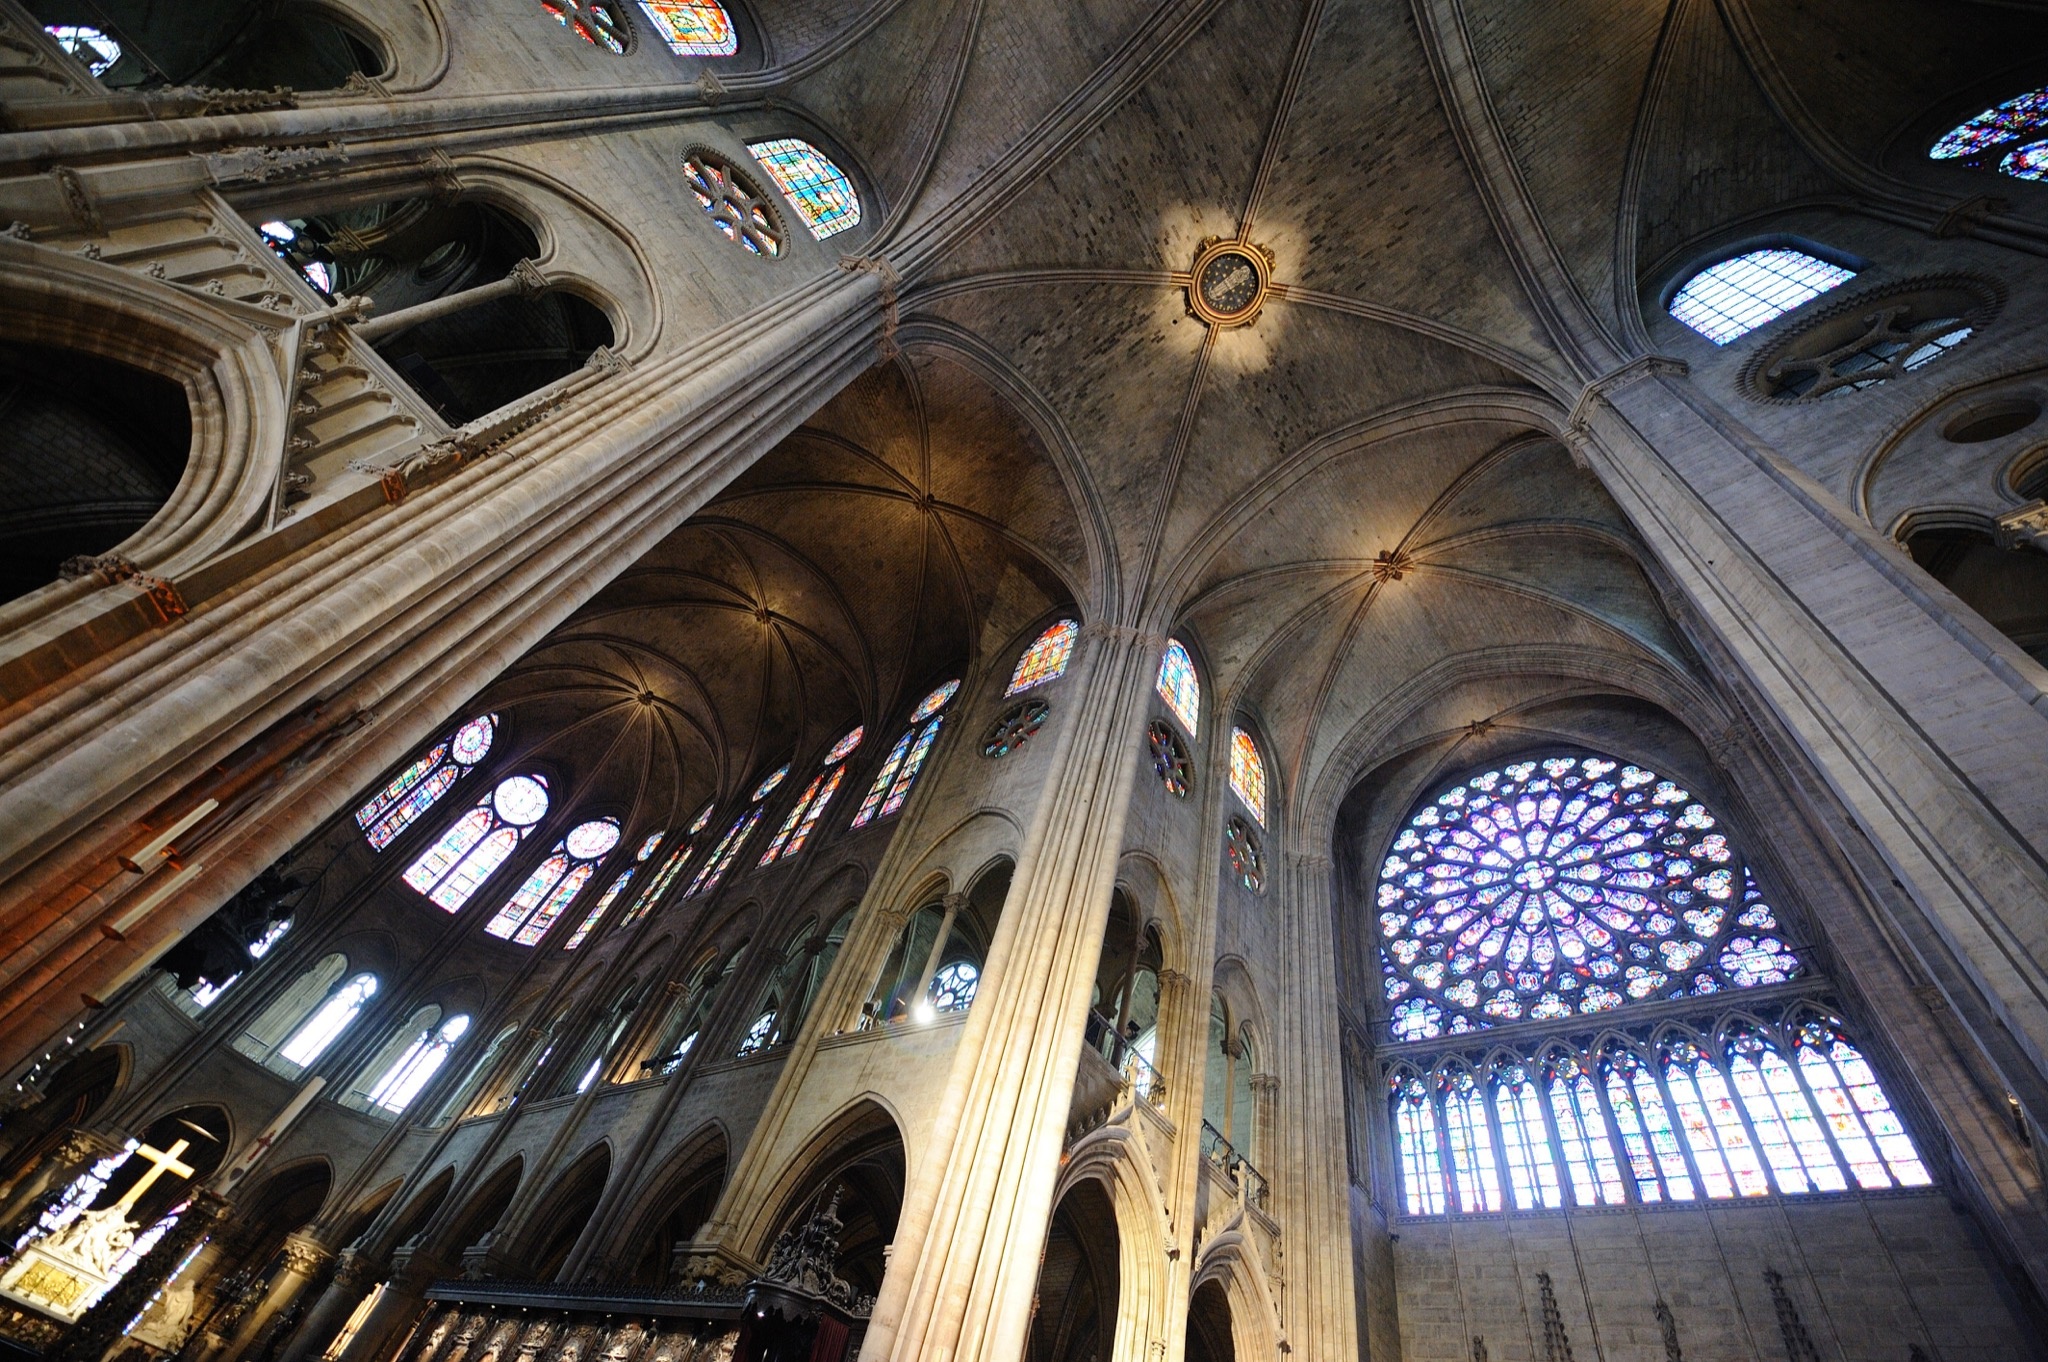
[[1014, 728], [735, 207], [1169, 759], [1246, 860]]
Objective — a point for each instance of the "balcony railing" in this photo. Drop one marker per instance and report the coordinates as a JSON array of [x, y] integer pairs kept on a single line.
[[1123, 1056], [1223, 1156]]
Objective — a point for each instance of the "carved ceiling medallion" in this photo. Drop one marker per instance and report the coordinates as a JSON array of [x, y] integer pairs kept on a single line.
[[1229, 282]]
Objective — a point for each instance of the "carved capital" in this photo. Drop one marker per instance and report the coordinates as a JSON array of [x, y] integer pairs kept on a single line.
[[262, 165], [1577, 425], [2026, 527], [528, 277], [1173, 986], [305, 1257], [1265, 1087], [954, 903], [355, 1271]]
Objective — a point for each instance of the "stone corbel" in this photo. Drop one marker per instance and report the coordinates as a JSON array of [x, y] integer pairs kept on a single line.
[[2025, 527], [261, 165]]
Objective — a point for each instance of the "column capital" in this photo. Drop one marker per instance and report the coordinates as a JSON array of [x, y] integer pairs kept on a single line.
[[305, 1256], [1265, 1086], [355, 1270], [953, 903]]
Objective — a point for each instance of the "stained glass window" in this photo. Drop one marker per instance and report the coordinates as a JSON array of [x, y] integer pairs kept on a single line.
[[1248, 774], [98, 51], [612, 895], [693, 28], [899, 769], [2013, 137], [1180, 687], [816, 188], [1566, 885], [735, 207], [1733, 297], [1046, 658], [477, 843], [601, 23], [1169, 759], [1720, 1114], [328, 1021], [415, 789], [768, 783], [1241, 845], [843, 749], [714, 867], [796, 828], [953, 987], [554, 883], [760, 1035], [416, 1068], [658, 886], [703, 818]]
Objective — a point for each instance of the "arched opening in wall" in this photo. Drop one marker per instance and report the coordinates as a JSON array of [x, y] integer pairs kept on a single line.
[[2008, 587], [862, 1166], [676, 1212], [1209, 1337], [565, 1211], [71, 1095], [283, 1204], [681, 1031], [90, 449], [935, 967], [1074, 1313], [485, 1209], [226, 44], [1123, 1021], [1227, 1084], [458, 306], [425, 1205]]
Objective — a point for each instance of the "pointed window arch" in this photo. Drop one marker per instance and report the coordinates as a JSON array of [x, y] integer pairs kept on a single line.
[[554, 883], [416, 789], [810, 806], [477, 843], [899, 769], [1180, 687], [398, 1073], [334, 1016], [611, 895], [658, 886], [1248, 774], [721, 859], [2013, 138], [693, 28], [1046, 659], [814, 186], [1731, 298], [261, 1038]]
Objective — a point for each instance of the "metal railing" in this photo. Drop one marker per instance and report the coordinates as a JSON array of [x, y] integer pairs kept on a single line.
[[1123, 1056], [1223, 1156]]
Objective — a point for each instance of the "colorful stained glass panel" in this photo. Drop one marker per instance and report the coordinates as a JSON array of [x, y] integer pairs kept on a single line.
[[693, 28], [1180, 687], [2009, 122], [1046, 659], [1248, 774], [936, 701], [814, 186]]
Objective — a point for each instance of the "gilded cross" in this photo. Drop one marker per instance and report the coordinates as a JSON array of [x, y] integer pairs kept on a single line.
[[161, 1161]]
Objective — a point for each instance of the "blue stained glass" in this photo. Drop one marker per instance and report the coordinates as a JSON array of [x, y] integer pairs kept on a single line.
[[907, 775], [814, 186], [2008, 122], [1180, 687]]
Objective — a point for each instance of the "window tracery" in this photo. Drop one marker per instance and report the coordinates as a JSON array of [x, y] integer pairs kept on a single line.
[[814, 186], [408, 1075], [1046, 659], [899, 769], [953, 987], [328, 1021], [1180, 687], [1169, 759], [611, 895], [804, 815], [476, 844], [601, 23], [1241, 844], [1014, 727], [693, 28], [1571, 884], [735, 207], [554, 883], [759, 1036], [1248, 774], [1731, 298], [414, 790], [656, 887], [2013, 138], [728, 849]]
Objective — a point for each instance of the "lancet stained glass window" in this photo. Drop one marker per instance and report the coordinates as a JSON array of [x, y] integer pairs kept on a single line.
[[416, 1068], [1248, 774], [693, 28], [1719, 1112], [814, 186], [476, 844], [554, 883], [899, 769], [2013, 137], [328, 1021], [713, 870], [658, 886], [611, 895], [1567, 885], [1733, 297], [804, 815], [415, 789], [1046, 658], [1180, 687]]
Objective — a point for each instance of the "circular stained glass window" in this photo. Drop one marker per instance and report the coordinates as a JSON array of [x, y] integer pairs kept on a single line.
[[735, 206], [842, 749], [1014, 728], [1567, 885], [601, 23], [766, 787], [933, 703], [587, 841], [1170, 759], [89, 45], [521, 800], [1247, 862], [473, 739]]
